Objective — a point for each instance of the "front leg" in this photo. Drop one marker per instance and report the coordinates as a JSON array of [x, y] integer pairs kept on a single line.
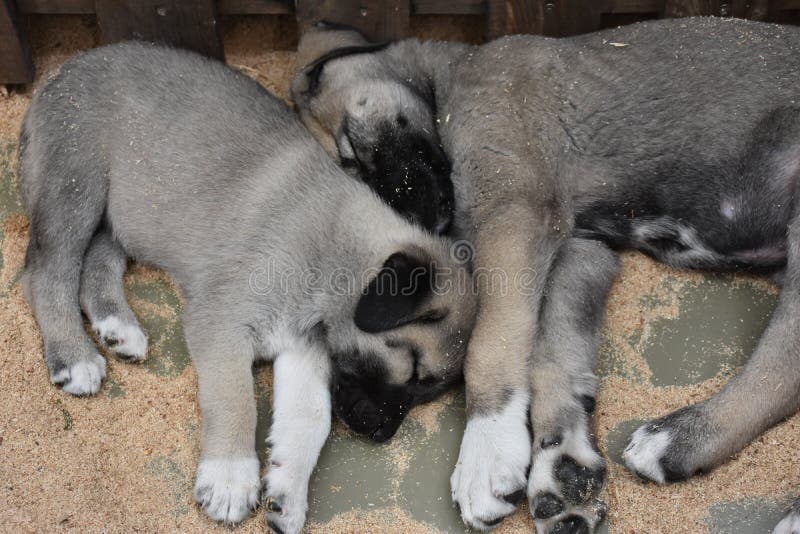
[[568, 472], [227, 484], [510, 269], [301, 421]]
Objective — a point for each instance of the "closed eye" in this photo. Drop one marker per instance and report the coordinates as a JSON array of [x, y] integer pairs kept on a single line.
[[431, 317]]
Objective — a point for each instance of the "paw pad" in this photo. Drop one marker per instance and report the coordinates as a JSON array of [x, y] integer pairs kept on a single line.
[[579, 483], [572, 524], [546, 505]]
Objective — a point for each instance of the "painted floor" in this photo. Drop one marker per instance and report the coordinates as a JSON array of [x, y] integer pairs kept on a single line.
[[125, 459]]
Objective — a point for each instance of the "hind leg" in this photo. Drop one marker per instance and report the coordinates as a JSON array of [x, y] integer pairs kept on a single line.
[[103, 298], [701, 436], [59, 237]]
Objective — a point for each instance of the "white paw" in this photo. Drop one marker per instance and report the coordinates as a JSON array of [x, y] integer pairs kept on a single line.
[[82, 378], [125, 339], [227, 489], [284, 496], [644, 452], [490, 474], [789, 524], [564, 483]]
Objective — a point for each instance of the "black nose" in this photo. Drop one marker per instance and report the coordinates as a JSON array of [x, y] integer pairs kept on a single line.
[[365, 417], [368, 408]]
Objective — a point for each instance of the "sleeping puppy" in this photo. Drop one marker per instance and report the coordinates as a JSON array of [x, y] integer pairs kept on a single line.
[[388, 138], [177, 161], [679, 138]]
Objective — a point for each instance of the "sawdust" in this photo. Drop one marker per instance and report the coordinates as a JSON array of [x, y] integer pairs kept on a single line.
[[392, 520], [427, 415], [114, 465]]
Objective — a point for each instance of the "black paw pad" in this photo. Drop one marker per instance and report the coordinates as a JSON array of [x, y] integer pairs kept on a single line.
[[274, 528], [572, 524], [588, 402], [111, 341], [514, 498], [578, 483], [546, 505]]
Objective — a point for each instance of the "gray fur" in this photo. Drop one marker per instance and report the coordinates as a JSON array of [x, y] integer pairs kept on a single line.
[[679, 138], [177, 161]]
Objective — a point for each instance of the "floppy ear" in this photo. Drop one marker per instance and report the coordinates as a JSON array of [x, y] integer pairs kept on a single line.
[[323, 37], [306, 83], [393, 297]]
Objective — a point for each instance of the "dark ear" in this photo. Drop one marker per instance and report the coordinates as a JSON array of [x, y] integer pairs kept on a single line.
[[307, 82], [393, 298]]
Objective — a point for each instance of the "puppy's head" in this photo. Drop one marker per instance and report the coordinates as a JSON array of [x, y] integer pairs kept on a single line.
[[380, 124], [405, 343]]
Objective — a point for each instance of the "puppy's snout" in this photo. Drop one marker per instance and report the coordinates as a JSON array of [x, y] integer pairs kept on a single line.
[[375, 412]]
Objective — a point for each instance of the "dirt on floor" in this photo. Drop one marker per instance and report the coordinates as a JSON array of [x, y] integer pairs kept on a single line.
[[124, 460]]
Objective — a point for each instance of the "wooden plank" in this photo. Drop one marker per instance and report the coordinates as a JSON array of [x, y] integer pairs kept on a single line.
[[506, 17], [751, 9], [56, 7], [632, 6], [255, 7], [189, 24], [688, 8], [15, 58], [448, 7], [224, 7], [570, 17], [379, 20]]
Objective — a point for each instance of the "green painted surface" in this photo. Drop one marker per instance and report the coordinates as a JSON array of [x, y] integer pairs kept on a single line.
[[176, 478], [113, 389], [618, 439], [717, 328], [749, 516], [427, 497], [10, 199], [612, 362], [352, 473], [167, 353]]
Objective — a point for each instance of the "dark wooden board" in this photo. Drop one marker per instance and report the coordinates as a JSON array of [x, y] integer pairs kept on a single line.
[[56, 7], [377, 19], [255, 7], [189, 24], [448, 7], [514, 16], [15, 58]]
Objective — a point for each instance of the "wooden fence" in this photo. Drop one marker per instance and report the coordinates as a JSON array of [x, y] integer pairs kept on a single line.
[[193, 23]]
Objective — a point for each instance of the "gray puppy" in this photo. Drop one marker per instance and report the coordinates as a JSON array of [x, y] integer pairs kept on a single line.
[[679, 138], [173, 159]]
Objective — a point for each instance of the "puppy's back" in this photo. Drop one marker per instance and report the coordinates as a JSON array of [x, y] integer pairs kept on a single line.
[[182, 144]]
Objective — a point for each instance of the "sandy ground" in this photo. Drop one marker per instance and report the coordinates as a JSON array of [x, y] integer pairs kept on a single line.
[[124, 460]]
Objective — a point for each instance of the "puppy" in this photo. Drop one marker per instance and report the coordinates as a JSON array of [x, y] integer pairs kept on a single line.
[[679, 138], [177, 161], [389, 140]]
